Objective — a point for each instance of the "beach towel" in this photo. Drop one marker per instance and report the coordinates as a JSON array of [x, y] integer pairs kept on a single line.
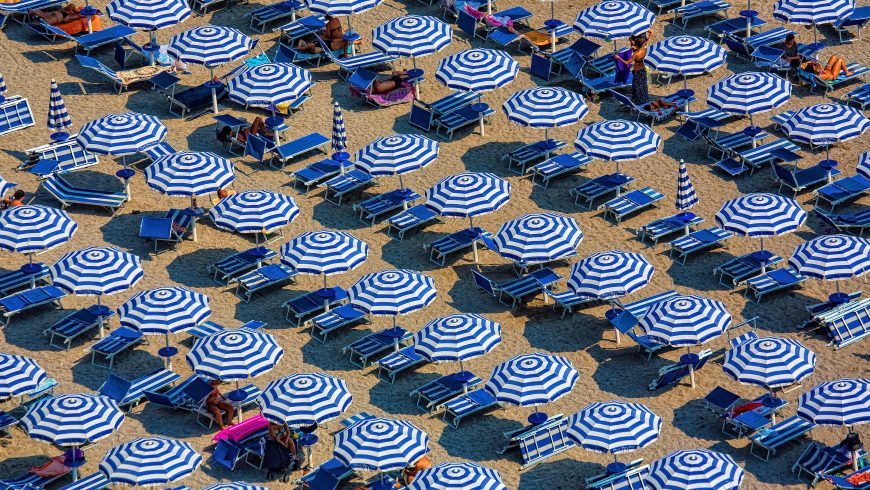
[[54, 467], [401, 95], [140, 74], [491, 20], [79, 26], [622, 69], [243, 429], [746, 408]]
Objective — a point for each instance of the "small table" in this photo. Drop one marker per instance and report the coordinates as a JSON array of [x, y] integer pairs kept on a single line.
[[752, 132], [59, 136], [615, 468], [194, 213], [341, 156], [395, 333], [306, 441], [213, 85], [126, 174], [686, 217], [275, 123], [552, 25], [167, 353], [538, 418], [690, 359], [351, 37], [687, 95], [463, 376], [236, 397], [838, 298], [480, 108], [30, 268], [829, 165], [74, 458]]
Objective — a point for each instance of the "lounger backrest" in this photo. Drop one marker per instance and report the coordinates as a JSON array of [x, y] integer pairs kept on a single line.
[[115, 387], [736, 46], [14, 115], [622, 99], [541, 67], [94, 64], [55, 31], [362, 79], [785, 175], [483, 282], [255, 147], [284, 54], [197, 390], [467, 24], [584, 47], [226, 453], [420, 117]]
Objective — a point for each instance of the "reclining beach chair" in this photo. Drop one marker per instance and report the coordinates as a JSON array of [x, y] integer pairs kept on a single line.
[[847, 222], [432, 395], [227, 269], [818, 458], [633, 478], [74, 325], [540, 442], [94, 481], [814, 81], [325, 476], [462, 117], [85, 42], [657, 229], [129, 393], [772, 281], [515, 291], [859, 96], [57, 158], [824, 307], [285, 152], [410, 219], [698, 241], [843, 190], [15, 115], [317, 172], [753, 158], [299, 28], [587, 192], [558, 166], [581, 49], [778, 435], [568, 300], [847, 324], [14, 280], [117, 342], [468, 404], [630, 203], [423, 115], [595, 87], [28, 299], [325, 323], [68, 194], [268, 276], [694, 10], [395, 363], [540, 40], [522, 156], [94, 64], [645, 111], [736, 270], [312, 303], [852, 24], [630, 314], [173, 228], [207, 328], [44, 390], [263, 16], [673, 374], [375, 207], [459, 241], [30, 480], [193, 102], [729, 144], [362, 350], [354, 181], [798, 180], [7, 422], [770, 37]]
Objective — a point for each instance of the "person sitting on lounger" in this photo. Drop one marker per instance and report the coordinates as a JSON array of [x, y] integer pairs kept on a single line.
[[790, 52], [411, 472], [832, 71], [390, 84], [66, 14], [257, 127], [282, 434], [17, 199], [217, 404], [491, 20], [333, 33]]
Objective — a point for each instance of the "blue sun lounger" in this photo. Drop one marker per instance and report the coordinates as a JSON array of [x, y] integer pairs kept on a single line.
[[818, 458], [632, 478], [734, 26], [859, 96], [6, 422], [432, 395], [847, 325], [568, 300], [116, 343], [318, 172], [13, 280], [268, 276], [630, 314], [285, 152], [31, 481], [538, 443], [704, 8], [522, 156], [87, 42], [262, 16], [172, 228], [68, 194], [673, 374], [313, 303], [587, 192], [58, 158], [410, 219], [354, 181], [207, 328], [194, 101], [460, 118], [468, 404], [15, 114], [130, 393], [738, 269], [393, 364], [772, 281], [94, 481], [778, 435], [558, 166], [325, 323], [515, 291], [662, 227], [72, 326], [798, 180], [697, 241], [375, 207], [843, 190], [94, 64], [729, 144], [459, 241], [300, 27], [325, 476], [28, 299], [847, 222], [362, 350], [630, 203], [653, 115], [227, 269], [424, 115], [858, 72]]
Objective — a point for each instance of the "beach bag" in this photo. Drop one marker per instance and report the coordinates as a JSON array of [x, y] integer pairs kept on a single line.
[[277, 460]]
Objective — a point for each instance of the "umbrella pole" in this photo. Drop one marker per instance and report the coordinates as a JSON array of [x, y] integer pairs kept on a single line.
[[239, 410], [325, 297], [168, 359], [474, 242], [691, 369], [100, 315], [154, 47], [547, 143], [214, 85], [416, 80], [761, 249]]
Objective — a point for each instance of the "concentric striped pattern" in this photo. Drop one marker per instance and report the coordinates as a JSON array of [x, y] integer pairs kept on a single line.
[[5, 186], [457, 476], [532, 379], [823, 124], [19, 374], [72, 420], [305, 398], [863, 165], [341, 7], [412, 35], [685, 320], [254, 211], [686, 197], [477, 70], [236, 485], [614, 20], [843, 401], [210, 45], [618, 140], [832, 257], [324, 252], [96, 270], [771, 362], [610, 274], [381, 444], [749, 93], [164, 310], [58, 116], [808, 12], [150, 461], [189, 173], [545, 107], [685, 55], [392, 292], [339, 132], [468, 194], [148, 14], [695, 469], [121, 134], [614, 427], [234, 354], [397, 154], [539, 237], [33, 227], [761, 215], [269, 84], [457, 337]]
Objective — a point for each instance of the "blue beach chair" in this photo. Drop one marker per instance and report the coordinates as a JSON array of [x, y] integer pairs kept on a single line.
[[14, 280], [432, 395], [375, 207], [28, 299], [843, 190], [263, 16], [325, 323], [848, 324], [317, 172], [6, 422], [74, 325], [673, 374], [326, 476], [230, 267], [778, 435], [773, 281], [207, 328], [128, 394], [340, 186], [468, 404], [632, 478], [657, 229], [30, 480], [462, 117], [568, 300], [558, 166], [522, 156], [798, 180], [85, 42], [630, 203], [172, 228], [94, 481], [738, 269], [847, 222], [697, 241], [116, 343], [312, 303], [299, 28], [15, 115], [57, 158], [694, 10], [459, 241], [515, 291], [68, 194], [285, 152], [586, 193], [269, 276], [410, 219], [393, 364], [362, 350]]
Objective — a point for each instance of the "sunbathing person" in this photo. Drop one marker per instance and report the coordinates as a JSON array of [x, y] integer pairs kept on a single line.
[[306, 47], [217, 404], [502, 21], [390, 84], [257, 127], [62, 16], [831, 71], [333, 33], [17, 199], [411, 471]]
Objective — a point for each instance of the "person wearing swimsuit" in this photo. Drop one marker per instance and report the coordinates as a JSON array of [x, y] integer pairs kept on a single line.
[[390, 84], [831, 71], [639, 86]]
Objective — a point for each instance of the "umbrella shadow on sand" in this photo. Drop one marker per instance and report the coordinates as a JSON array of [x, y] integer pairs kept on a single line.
[[545, 330], [191, 269]]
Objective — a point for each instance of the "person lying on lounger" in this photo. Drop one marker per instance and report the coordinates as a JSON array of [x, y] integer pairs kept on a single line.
[[62, 16], [257, 127], [835, 67], [390, 84], [217, 404], [491, 20]]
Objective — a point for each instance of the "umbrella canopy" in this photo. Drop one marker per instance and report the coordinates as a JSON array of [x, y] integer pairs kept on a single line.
[[341, 7], [457, 476], [685, 320], [761, 215], [610, 274], [339, 132], [695, 469], [148, 15], [96, 271], [269, 84], [164, 310], [468, 194], [832, 257], [121, 134], [770, 362], [614, 20], [150, 461], [614, 427], [254, 211], [532, 379], [686, 197], [685, 55], [72, 420], [189, 173], [545, 107], [236, 485], [5, 186], [843, 401], [412, 35], [749, 93], [397, 154], [381, 444], [812, 12], [33, 227], [210, 45], [823, 124], [3, 88], [477, 70], [324, 252], [58, 116], [864, 164], [618, 140], [457, 337], [305, 398], [19, 374], [232, 355], [392, 292], [539, 237]]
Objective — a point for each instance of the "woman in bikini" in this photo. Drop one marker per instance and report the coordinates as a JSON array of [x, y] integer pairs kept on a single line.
[[332, 34], [62, 16], [390, 84], [639, 86], [831, 71]]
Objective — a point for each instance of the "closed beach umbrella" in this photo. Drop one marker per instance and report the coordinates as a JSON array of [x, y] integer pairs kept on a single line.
[[686, 196], [610, 274], [539, 237], [339, 136], [58, 117], [150, 461], [304, 399], [149, 15], [614, 427], [685, 55], [189, 173], [393, 292], [695, 469], [614, 20], [747, 94], [618, 140], [121, 134], [412, 35], [864, 164], [813, 12], [477, 70], [236, 485], [833, 258], [530, 380], [324, 253], [381, 444], [826, 124], [458, 337], [398, 154], [254, 212], [3, 88], [19, 374], [545, 107], [457, 476]]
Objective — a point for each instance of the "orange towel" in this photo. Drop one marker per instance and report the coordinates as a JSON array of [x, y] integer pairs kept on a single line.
[[79, 26]]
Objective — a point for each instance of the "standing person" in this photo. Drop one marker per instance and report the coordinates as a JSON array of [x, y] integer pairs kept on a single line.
[[639, 82]]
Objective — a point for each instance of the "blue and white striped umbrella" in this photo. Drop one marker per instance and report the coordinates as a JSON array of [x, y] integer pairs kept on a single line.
[[397, 154], [254, 211], [545, 107], [58, 116], [324, 252], [610, 274], [618, 140], [381, 444], [210, 45], [236, 485], [304, 398], [18, 375], [685, 320], [468, 194], [164, 310], [72, 420], [844, 401], [457, 337], [832, 257], [148, 15], [695, 469], [614, 427], [412, 35], [269, 84], [232, 355], [5, 186], [150, 461], [33, 227], [339, 132], [685, 55], [96, 271], [341, 7], [614, 20], [392, 292], [121, 134], [761, 215], [477, 70], [812, 12], [532, 379], [3, 88], [457, 476], [770, 362], [749, 93], [824, 124], [539, 237], [863, 165], [686, 197], [189, 173]]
